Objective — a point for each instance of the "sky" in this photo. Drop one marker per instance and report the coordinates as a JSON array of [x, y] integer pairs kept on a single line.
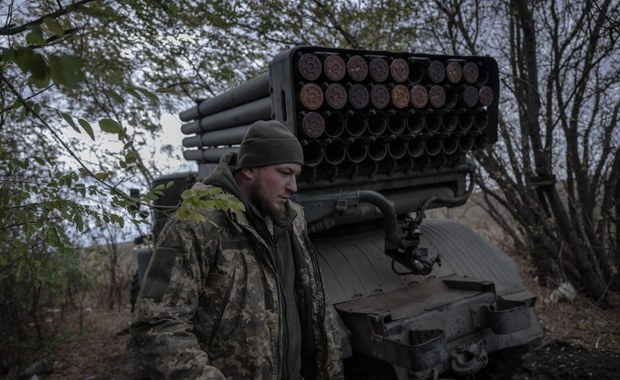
[[170, 135]]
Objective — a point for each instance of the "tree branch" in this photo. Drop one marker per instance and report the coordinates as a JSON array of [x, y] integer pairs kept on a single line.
[[10, 30]]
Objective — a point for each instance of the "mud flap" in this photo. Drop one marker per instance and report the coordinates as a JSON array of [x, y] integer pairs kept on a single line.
[[508, 317], [429, 348]]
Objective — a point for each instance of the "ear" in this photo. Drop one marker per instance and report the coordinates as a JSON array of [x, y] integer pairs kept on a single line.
[[248, 173]]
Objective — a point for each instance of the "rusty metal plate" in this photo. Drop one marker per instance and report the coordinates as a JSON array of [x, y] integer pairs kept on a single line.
[[357, 68], [437, 96], [436, 71], [311, 96], [419, 96], [399, 68], [313, 125], [336, 96], [334, 67], [485, 95], [379, 69], [309, 66], [358, 96], [400, 96], [470, 72], [454, 72], [470, 96], [379, 96]]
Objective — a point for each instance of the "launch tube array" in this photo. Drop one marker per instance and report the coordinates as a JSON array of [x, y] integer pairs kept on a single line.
[[358, 112]]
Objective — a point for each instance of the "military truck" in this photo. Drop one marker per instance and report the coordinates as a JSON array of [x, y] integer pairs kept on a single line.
[[386, 137]]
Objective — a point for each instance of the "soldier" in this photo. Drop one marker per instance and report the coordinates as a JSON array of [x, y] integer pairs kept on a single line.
[[240, 295]]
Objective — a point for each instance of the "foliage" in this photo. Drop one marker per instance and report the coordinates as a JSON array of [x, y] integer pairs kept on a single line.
[[201, 197], [50, 194]]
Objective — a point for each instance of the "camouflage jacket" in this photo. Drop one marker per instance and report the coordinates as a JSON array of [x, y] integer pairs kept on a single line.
[[209, 306]]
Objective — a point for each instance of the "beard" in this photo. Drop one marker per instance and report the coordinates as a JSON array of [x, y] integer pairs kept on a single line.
[[263, 205]]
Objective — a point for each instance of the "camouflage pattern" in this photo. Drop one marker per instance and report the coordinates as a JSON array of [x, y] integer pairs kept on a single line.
[[209, 306]]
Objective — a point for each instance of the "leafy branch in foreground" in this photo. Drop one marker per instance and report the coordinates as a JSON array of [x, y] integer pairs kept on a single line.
[[202, 197]]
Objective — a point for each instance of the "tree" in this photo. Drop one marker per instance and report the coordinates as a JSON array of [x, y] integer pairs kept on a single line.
[[555, 170], [45, 201]]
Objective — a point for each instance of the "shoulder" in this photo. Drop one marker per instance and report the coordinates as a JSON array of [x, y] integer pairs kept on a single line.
[[206, 207], [299, 222], [206, 223], [297, 208]]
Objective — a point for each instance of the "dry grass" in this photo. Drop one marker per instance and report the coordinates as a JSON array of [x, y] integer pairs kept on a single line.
[[580, 322]]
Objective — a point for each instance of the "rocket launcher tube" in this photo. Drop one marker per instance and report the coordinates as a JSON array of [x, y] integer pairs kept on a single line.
[[335, 152], [397, 122], [450, 145], [192, 141], [215, 154], [243, 114], [397, 148], [230, 136], [377, 150], [251, 90], [313, 152], [357, 151]]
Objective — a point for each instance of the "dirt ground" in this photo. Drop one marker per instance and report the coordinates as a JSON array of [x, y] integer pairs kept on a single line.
[[581, 341]]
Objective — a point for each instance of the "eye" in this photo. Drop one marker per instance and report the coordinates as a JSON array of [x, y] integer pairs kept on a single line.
[[285, 173]]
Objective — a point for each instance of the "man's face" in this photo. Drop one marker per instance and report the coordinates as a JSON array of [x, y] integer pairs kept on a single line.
[[272, 186]]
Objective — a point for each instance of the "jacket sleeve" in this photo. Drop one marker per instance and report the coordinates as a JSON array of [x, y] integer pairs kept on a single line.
[[162, 320], [334, 363]]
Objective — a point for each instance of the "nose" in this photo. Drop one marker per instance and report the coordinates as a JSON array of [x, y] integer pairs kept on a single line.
[[291, 184]]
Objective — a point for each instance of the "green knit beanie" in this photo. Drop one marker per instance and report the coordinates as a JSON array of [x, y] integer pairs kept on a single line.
[[269, 143]]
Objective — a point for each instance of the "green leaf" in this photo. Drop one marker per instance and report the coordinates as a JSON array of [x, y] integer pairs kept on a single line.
[[54, 27], [165, 90], [134, 93], [34, 107], [35, 37], [21, 164], [70, 121], [53, 239], [8, 55], [109, 126], [66, 70], [121, 221], [102, 176], [131, 157], [87, 127], [80, 188], [34, 63], [114, 95], [17, 104], [202, 197], [39, 160], [151, 96], [79, 223]]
